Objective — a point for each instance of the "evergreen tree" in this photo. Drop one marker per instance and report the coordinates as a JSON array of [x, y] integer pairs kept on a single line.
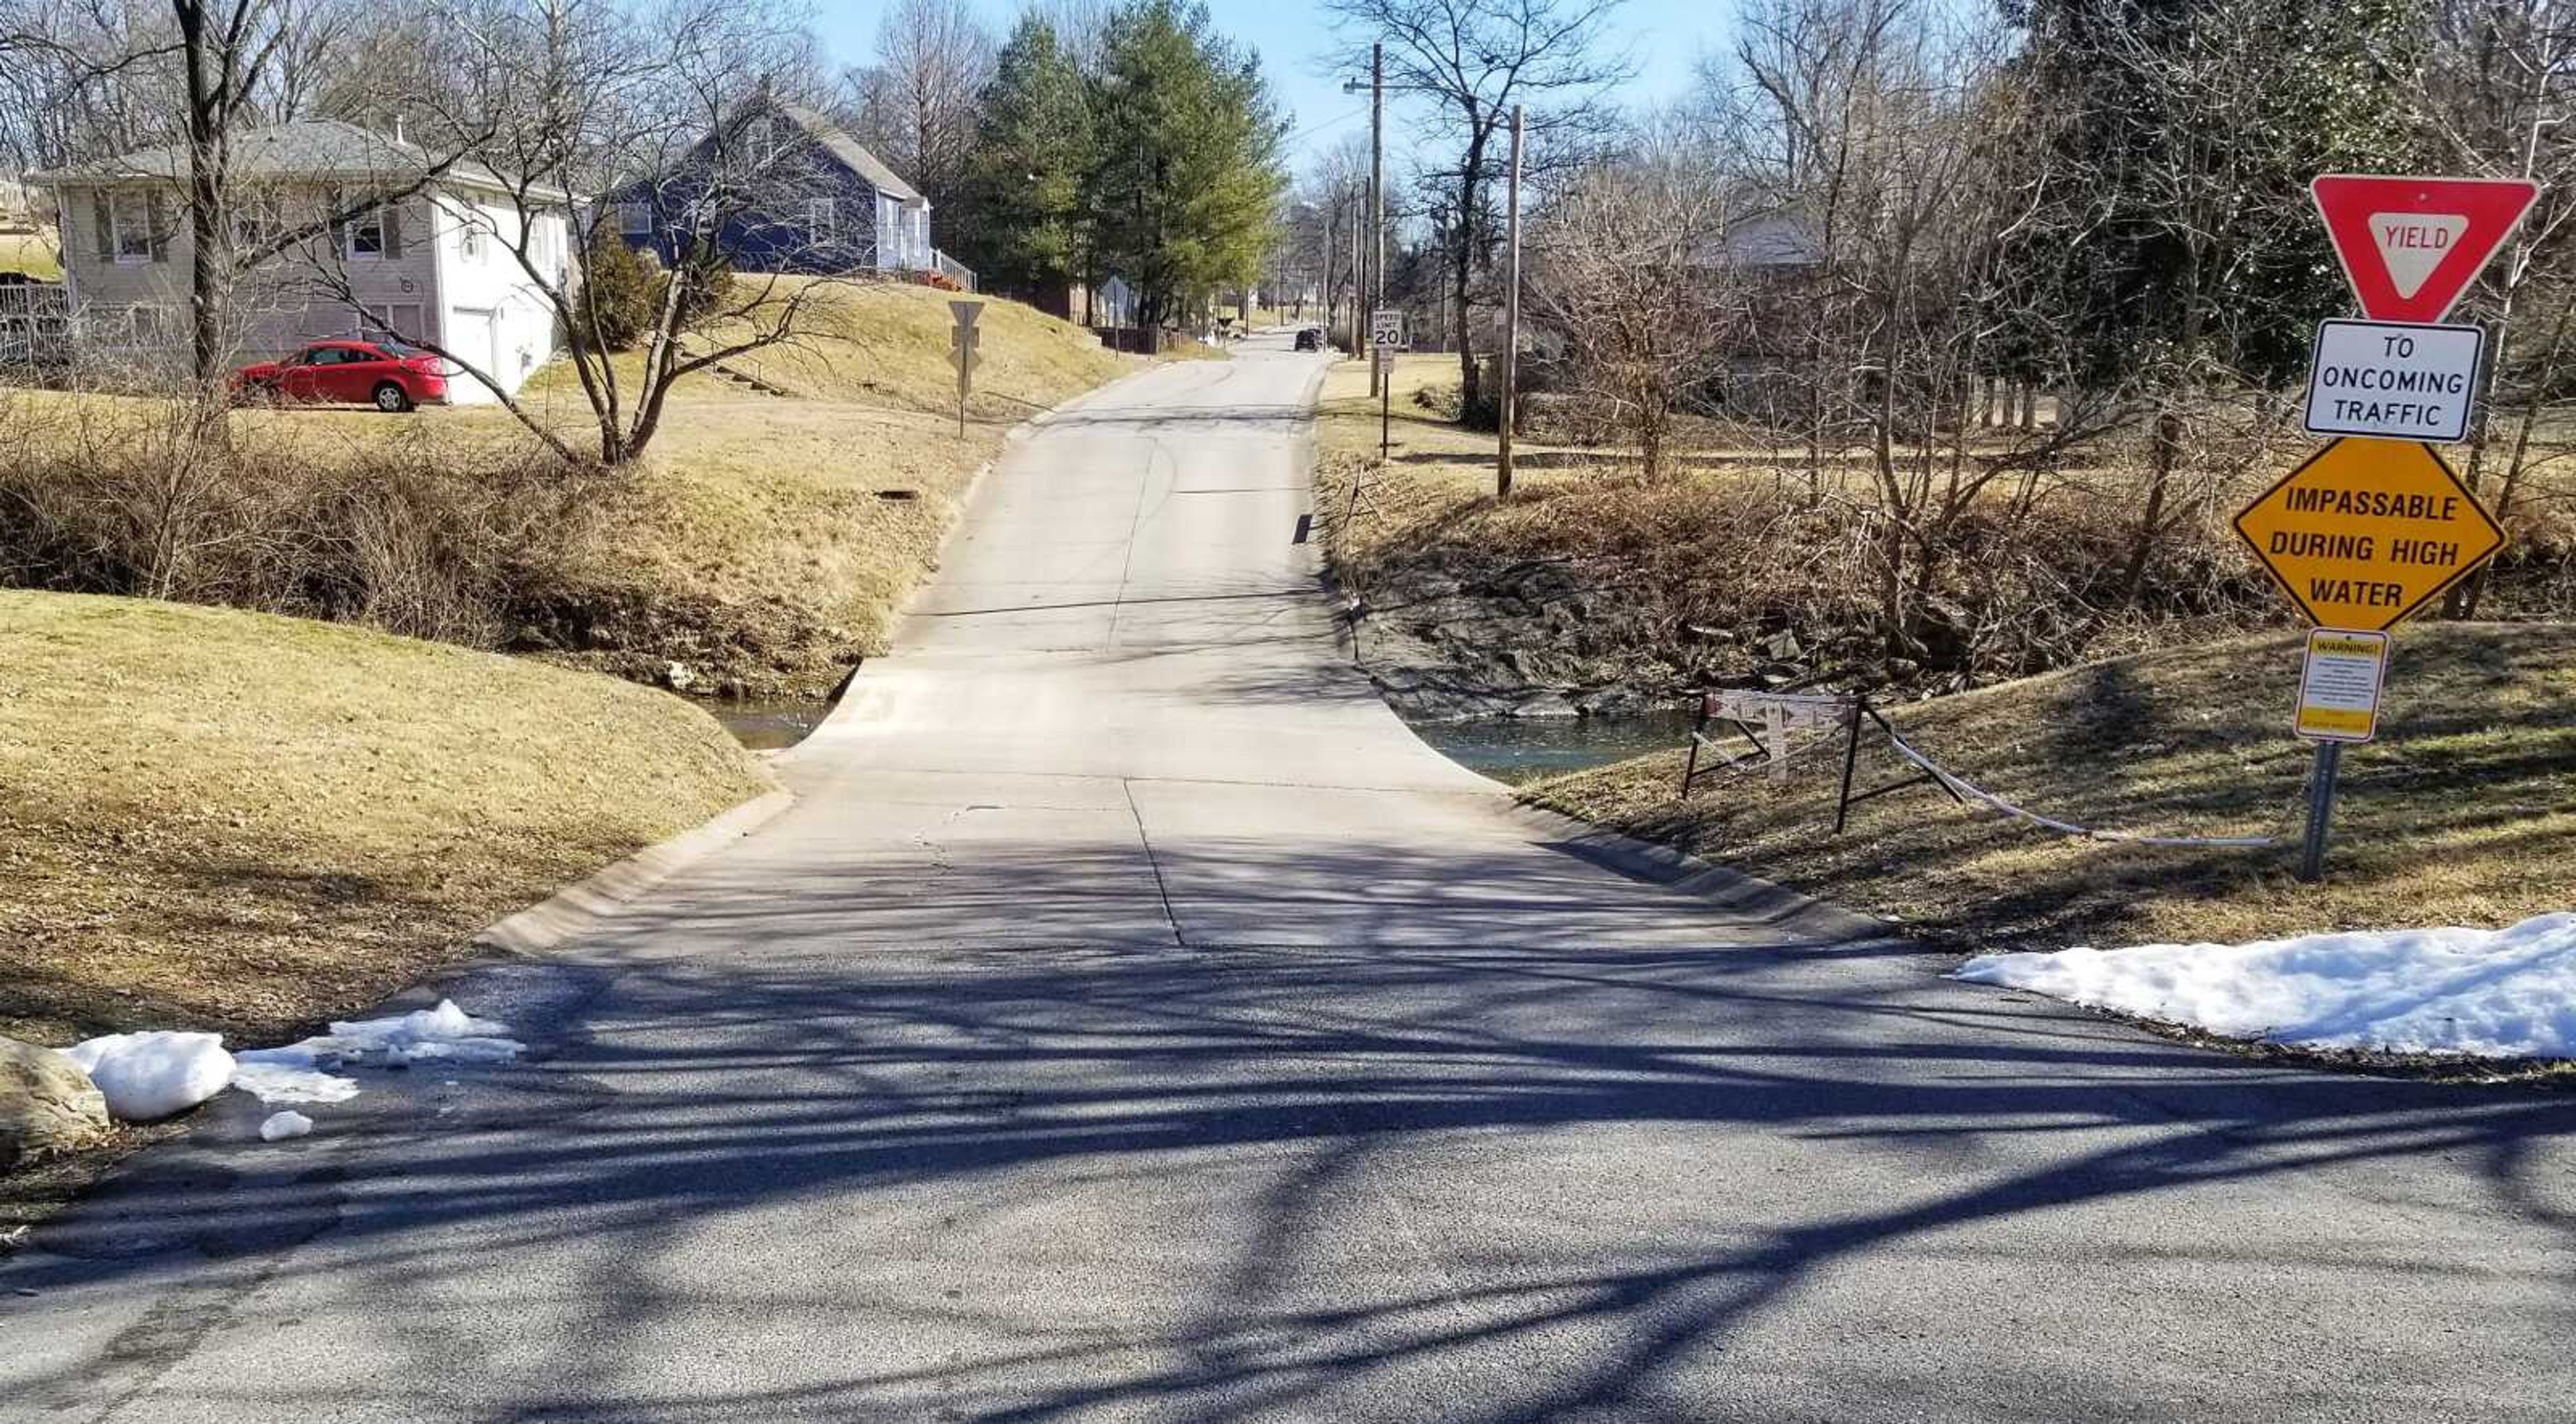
[[1027, 181], [1187, 188], [2179, 137], [618, 299]]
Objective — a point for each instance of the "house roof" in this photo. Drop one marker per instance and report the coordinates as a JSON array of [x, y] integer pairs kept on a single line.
[[1773, 239], [853, 154], [307, 148]]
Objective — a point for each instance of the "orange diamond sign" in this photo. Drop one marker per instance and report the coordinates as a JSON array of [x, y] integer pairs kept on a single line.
[[2368, 531]]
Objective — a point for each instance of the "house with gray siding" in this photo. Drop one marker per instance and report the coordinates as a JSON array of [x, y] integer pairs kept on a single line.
[[431, 263]]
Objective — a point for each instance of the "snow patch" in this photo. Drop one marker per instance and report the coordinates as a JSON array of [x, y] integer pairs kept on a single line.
[[288, 1075], [2507, 993], [153, 1074], [283, 1125], [446, 1032]]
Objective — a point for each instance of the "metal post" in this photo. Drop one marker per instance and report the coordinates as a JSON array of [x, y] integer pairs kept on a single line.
[[2321, 791], [1385, 413], [1511, 319], [1374, 263], [1851, 756]]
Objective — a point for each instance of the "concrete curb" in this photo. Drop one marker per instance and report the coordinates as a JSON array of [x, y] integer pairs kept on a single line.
[[1732, 890], [579, 907]]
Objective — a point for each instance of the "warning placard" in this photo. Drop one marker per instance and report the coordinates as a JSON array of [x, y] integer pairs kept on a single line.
[[2394, 380], [2339, 690], [2367, 531]]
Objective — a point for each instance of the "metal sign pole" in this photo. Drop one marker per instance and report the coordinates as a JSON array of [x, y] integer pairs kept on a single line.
[[963, 351], [2321, 791], [1385, 413]]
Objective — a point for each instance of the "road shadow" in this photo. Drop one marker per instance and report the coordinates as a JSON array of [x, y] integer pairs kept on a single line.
[[1493, 1182]]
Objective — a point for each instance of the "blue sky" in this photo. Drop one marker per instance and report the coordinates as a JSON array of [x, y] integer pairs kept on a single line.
[[1292, 35]]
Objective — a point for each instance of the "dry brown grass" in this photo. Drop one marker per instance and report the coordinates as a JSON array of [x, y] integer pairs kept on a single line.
[[1598, 581], [227, 820], [755, 545], [2462, 813]]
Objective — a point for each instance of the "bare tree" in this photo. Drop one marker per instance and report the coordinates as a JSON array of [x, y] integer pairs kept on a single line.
[[1472, 61], [1631, 262], [2497, 96], [917, 104], [130, 79], [569, 98]]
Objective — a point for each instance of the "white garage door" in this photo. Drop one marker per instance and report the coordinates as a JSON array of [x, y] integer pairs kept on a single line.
[[474, 333]]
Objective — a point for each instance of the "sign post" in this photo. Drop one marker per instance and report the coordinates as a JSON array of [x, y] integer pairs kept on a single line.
[[962, 353], [2338, 705], [1386, 337], [2375, 525]]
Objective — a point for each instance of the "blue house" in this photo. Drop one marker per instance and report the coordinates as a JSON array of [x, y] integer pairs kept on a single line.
[[785, 190]]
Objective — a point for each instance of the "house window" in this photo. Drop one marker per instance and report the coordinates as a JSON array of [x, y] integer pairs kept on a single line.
[[400, 321], [258, 220], [368, 234], [635, 219], [470, 239], [762, 139], [130, 220], [818, 219]]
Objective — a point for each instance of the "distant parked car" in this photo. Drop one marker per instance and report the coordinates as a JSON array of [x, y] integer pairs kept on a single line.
[[1311, 339], [388, 375]]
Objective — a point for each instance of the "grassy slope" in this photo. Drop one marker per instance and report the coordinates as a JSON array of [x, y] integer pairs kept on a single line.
[[761, 547], [753, 544], [2462, 813], [232, 821]]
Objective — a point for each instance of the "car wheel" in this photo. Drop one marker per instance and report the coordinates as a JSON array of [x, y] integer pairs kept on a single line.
[[390, 397]]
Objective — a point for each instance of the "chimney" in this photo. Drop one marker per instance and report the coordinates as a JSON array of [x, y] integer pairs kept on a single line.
[[398, 127]]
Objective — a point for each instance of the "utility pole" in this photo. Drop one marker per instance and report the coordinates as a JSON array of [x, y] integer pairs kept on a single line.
[[1511, 317], [1377, 195], [1368, 260], [1359, 284], [1332, 211]]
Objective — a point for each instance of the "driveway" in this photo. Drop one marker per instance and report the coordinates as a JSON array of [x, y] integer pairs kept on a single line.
[[1134, 1021]]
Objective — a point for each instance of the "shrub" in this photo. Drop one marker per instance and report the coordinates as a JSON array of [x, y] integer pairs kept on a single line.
[[620, 291], [415, 534], [707, 286]]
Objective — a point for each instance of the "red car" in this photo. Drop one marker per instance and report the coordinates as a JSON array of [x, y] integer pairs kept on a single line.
[[385, 374]]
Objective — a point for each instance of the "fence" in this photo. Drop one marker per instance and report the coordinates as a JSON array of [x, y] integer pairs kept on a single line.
[[954, 270], [1768, 721], [1771, 722], [35, 325]]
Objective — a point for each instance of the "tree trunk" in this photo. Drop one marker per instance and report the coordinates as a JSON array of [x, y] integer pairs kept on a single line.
[[207, 161], [1462, 253]]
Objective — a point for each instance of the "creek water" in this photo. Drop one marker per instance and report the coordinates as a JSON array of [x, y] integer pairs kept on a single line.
[[1509, 749], [768, 724], [1523, 749]]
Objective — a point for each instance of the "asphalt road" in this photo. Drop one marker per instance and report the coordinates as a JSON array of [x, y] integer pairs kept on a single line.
[[1133, 1021]]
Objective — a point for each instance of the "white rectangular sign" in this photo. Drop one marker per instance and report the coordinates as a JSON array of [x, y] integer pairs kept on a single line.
[[1386, 328], [2395, 380], [2339, 687]]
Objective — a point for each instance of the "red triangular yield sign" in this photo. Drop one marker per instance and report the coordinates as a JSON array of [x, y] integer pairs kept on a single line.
[[2411, 246]]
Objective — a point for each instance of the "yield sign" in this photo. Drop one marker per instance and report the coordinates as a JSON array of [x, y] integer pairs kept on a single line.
[[2411, 246]]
